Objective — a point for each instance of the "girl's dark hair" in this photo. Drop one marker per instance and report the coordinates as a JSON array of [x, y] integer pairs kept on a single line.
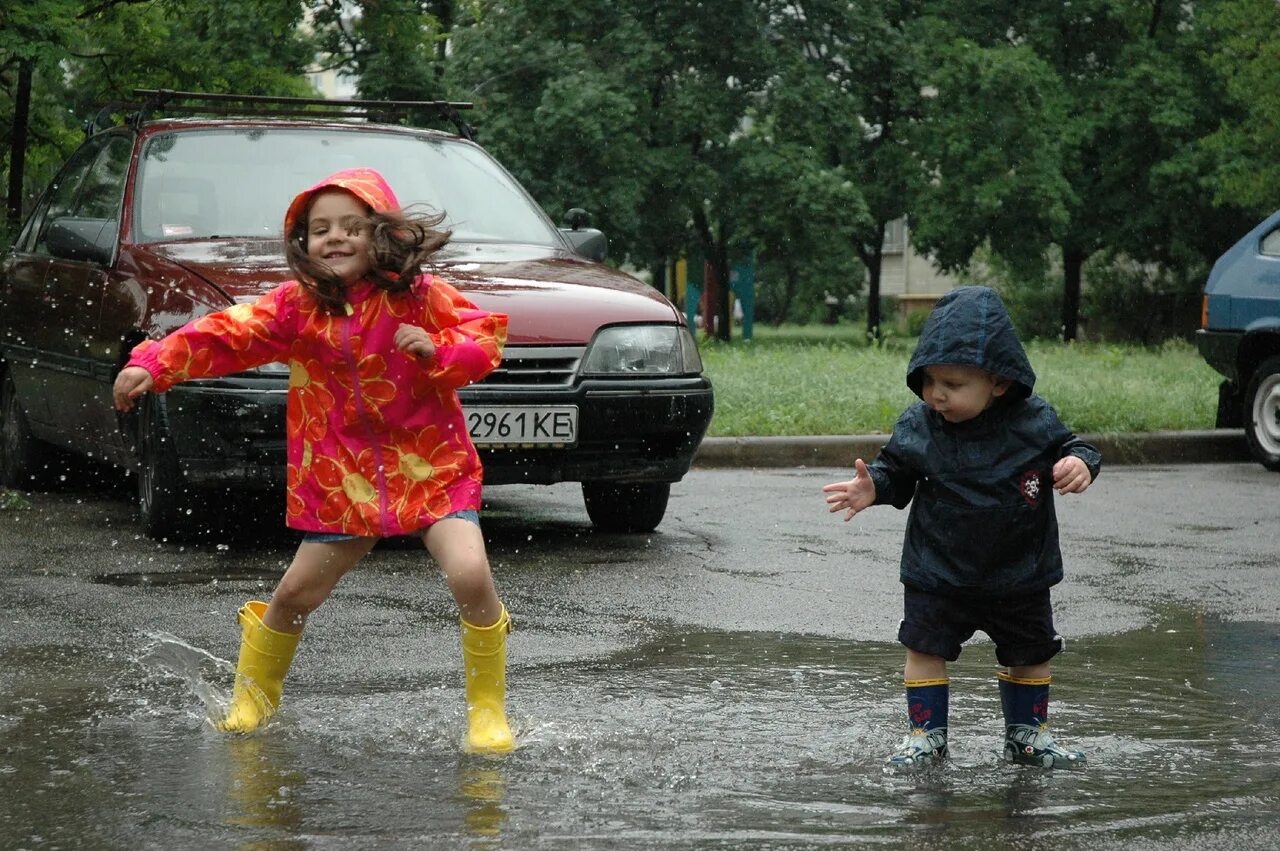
[[400, 244]]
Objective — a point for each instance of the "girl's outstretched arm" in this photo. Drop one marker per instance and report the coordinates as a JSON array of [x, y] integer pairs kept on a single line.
[[412, 340], [468, 341], [131, 383], [241, 337]]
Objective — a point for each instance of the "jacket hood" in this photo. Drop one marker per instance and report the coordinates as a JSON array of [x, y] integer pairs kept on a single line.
[[364, 183], [970, 326]]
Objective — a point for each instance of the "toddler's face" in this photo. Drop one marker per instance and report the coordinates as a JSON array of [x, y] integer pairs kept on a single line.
[[960, 393], [338, 234]]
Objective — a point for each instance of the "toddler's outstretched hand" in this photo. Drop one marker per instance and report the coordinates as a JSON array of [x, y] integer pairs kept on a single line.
[[854, 495], [131, 383], [412, 340], [1071, 475]]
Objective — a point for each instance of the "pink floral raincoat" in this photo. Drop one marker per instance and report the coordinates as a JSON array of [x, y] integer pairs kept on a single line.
[[377, 441]]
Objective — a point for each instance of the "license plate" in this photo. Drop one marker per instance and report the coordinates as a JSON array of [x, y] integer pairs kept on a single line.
[[522, 425]]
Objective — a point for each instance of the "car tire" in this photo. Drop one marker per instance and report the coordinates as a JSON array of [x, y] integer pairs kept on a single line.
[[24, 459], [1262, 414], [164, 499], [615, 507]]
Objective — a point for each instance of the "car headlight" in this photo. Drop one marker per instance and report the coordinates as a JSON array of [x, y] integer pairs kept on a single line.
[[642, 350]]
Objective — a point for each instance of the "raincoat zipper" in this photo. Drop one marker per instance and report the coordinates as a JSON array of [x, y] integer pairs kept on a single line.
[[362, 414]]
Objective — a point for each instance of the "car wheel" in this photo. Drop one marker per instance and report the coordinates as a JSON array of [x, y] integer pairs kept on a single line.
[[23, 457], [164, 499], [1262, 417], [616, 507]]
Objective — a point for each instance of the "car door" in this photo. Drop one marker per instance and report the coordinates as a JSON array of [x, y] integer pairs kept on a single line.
[[21, 293], [33, 333], [95, 350], [56, 294]]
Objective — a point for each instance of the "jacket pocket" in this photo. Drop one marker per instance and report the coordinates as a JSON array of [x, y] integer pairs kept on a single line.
[[989, 550]]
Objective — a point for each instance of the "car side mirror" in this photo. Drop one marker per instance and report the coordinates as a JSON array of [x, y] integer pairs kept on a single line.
[[586, 242], [92, 240]]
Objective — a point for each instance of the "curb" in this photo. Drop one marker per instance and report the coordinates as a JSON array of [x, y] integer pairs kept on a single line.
[[1159, 447]]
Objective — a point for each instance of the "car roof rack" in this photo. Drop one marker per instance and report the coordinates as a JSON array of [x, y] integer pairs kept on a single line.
[[209, 103]]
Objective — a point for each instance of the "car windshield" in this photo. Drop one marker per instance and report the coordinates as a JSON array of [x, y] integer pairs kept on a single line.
[[238, 182]]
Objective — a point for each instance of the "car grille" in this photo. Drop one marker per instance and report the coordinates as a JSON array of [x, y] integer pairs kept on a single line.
[[540, 366]]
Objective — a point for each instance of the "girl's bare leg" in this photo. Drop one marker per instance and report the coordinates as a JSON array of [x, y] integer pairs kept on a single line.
[[458, 547], [310, 579]]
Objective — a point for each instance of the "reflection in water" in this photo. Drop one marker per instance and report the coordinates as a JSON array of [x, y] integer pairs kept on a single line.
[[708, 740], [482, 789], [264, 789]]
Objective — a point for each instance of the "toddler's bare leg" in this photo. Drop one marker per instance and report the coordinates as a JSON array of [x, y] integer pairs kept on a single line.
[[922, 666]]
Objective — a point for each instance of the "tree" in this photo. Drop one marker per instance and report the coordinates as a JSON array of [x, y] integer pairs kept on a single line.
[[1129, 89], [991, 144], [1242, 44], [394, 49], [634, 109], [872, 56], [32, 40], [190, 45], [68, 57], [800, 206]]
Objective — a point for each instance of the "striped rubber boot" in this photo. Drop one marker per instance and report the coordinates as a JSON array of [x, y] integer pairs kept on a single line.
[[1026, 716], [926, 742]]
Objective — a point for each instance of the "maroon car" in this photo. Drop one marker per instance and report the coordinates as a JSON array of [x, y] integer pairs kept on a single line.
[[162, 219]]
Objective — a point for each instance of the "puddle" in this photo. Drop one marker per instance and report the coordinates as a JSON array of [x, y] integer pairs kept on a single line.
[[699, 740]]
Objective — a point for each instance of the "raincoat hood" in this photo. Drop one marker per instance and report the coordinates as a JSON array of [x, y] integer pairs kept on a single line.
[[364, 183], [970, 326]]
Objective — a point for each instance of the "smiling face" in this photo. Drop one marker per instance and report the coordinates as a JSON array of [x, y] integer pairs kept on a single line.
[[338, 234], [960, 393]]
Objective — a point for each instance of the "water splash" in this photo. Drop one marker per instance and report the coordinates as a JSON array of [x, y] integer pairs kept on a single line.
[[197, 668]]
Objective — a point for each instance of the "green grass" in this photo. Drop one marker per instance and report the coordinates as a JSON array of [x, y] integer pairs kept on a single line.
[[811, 380]]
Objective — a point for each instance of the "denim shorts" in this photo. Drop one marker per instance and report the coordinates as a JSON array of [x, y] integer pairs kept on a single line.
[[468, 514]]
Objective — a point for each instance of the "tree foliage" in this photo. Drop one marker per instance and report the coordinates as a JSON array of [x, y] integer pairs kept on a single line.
[[631, 109], [867, 61], [1132, 140], [87, 54], [1242, 46], [394, 49]]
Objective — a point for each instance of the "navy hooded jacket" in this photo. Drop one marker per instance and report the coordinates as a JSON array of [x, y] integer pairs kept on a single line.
[[982, 521]]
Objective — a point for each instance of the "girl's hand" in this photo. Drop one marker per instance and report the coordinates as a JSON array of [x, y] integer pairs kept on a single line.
[[1071, 475], [131, 383], [412, 340], [854, 495]]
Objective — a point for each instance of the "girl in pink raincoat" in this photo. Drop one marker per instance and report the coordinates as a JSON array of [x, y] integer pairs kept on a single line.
[[377, 442]]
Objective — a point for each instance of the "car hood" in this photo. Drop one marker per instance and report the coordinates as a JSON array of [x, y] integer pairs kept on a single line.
[[551, 297]]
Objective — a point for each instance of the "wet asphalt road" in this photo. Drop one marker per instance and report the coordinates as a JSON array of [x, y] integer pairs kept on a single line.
[[741, 553], [739, 549]]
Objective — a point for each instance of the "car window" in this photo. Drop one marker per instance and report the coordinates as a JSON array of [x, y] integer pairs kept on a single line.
[[26, 237], [103, 187], [238, 182], [60, 199], [1270, 244]]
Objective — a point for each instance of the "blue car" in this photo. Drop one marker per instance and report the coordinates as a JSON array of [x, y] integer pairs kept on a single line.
[[1239, 336]]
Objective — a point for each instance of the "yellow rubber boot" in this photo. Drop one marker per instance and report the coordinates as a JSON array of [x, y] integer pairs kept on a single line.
[[484, 655], [265, 656]]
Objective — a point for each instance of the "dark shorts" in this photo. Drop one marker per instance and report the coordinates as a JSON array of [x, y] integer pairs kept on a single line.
[[470, 515], [1021, 627]]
